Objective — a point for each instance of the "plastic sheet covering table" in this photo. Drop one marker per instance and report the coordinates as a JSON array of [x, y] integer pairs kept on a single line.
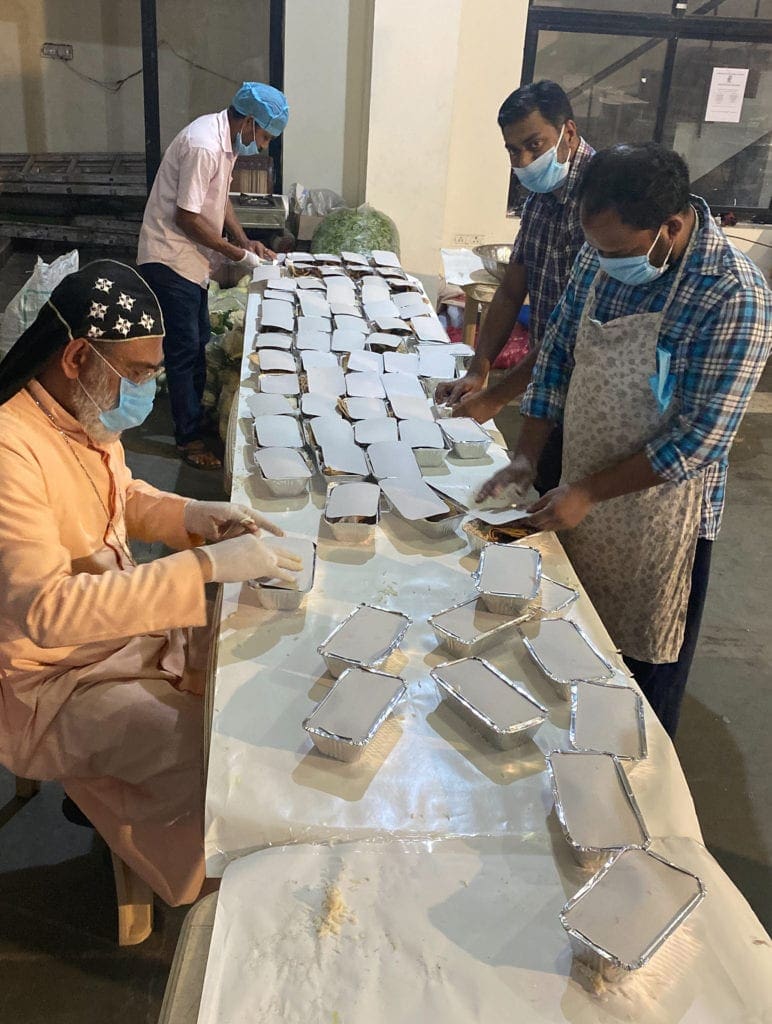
[[460, 931], [427, 774]]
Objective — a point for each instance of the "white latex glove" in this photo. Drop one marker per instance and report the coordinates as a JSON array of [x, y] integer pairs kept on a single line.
[[249, 260], [247, 558], [216, 520]]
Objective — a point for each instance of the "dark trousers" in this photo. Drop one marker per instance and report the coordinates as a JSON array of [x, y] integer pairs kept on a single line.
[[186, 317], [550, 463], [664, 685]]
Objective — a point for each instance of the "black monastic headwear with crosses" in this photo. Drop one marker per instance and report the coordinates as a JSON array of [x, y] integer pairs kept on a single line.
[[105, 301]]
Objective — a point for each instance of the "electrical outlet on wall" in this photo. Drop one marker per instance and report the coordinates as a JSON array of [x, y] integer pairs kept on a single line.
[[467, 241], [56, 51]]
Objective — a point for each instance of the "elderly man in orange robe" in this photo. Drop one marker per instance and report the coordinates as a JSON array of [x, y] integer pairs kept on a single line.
[[99, 684]]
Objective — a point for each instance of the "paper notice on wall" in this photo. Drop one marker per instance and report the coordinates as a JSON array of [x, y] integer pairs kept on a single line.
[[727, 90]]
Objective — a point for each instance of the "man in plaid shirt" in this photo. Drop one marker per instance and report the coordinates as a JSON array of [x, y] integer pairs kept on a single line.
[[652, 248], [547, 156]]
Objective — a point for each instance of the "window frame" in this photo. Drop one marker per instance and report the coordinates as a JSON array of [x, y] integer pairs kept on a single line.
[[657, 27]]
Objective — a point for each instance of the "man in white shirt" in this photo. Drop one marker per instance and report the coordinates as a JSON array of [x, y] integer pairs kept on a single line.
[[185, 216]]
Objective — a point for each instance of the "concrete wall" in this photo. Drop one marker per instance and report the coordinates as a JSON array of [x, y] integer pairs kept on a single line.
[[48, 106]]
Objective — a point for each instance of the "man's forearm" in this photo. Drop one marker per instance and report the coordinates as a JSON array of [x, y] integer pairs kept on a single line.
[[201, 232], [626, 477], [515, 381], [233, 226], [533, 438]]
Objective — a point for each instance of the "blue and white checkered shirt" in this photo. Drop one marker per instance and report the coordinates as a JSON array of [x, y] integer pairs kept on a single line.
[[718, 330], [549, 241]]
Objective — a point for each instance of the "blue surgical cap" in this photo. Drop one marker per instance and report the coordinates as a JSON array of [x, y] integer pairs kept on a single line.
[[267, 105]]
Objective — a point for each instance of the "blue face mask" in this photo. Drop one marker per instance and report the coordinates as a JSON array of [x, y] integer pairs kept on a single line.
[[545, 173], [134, 403], [634, 269], [245, 149]]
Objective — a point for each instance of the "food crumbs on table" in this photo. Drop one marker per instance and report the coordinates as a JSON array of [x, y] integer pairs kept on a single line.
[[335, 913]]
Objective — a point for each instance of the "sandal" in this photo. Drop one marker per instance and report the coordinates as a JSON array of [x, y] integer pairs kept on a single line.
[[198, 455]]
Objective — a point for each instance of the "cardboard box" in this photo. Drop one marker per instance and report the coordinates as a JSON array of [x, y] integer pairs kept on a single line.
[[303, 225]]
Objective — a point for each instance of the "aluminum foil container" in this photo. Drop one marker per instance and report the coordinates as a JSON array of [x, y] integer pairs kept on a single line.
[[566, 655], [483, 630], [466, 437], [628, 910], [508, 578], [495, 706], [556, 597], [354, 528], [284, 486], [443, 525], [383, 629], [284, 597], [608, 718], [359, 702], [594, 805]]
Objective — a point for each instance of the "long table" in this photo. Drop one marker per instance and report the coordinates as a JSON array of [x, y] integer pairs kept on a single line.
[[429, 777]]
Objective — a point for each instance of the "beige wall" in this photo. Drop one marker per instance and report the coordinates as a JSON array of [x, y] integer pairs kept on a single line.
[[436, 163], [490, 55], [326, 78], [47, 107], [415, 53]]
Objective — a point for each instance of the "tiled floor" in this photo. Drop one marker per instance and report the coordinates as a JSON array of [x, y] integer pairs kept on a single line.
[[59, 962]]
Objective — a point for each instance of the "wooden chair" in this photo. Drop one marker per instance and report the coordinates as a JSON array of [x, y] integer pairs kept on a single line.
[[133, 896]]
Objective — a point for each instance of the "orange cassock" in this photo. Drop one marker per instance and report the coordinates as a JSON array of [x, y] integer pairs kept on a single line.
[[100, 669]]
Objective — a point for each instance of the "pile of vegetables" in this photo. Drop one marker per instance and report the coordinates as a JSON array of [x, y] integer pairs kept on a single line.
[[360, 230], [227, 308]]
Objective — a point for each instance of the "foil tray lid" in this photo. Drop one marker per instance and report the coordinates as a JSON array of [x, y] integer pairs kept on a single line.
[[410, 407], [357, 704], [344, 458], [594, 802], [501, 701], [365, 385], [272, 339], [372, 431], [261, 404], [631, 906], [368, 634], [300, 546], [412, 498], [509, 570], [331, 430], [564, 653], [362, 361], [346, 340], [278, 432], [403, 384], [608, 718], [354, 499], [282, 464], [279, 383], [393, 459], [365, 408], [463, 430], [421, 434], [400, 362]]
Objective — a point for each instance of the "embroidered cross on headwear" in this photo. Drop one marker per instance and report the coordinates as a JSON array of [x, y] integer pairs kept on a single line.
[[146, 321], [97, 311], [126, 301], [103, 284], [123, 326]]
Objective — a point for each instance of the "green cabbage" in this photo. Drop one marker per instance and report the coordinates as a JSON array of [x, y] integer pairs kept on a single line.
[[360, 230]]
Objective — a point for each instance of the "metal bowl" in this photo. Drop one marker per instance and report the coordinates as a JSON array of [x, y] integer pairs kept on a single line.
[[495, 258]]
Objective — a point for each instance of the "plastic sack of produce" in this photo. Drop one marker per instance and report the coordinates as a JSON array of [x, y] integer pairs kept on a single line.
[[360, 230], [32, 296]]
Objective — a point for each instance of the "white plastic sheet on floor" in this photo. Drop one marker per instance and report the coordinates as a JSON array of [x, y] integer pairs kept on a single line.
[[427, 776], [462, 931]]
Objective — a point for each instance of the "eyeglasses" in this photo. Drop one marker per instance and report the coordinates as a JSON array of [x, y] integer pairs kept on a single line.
[[133, 375]]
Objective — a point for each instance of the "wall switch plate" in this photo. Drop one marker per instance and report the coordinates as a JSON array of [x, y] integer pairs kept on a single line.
[[56, 51]]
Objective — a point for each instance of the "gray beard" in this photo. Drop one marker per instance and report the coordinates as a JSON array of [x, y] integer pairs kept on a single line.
[[102, 392]]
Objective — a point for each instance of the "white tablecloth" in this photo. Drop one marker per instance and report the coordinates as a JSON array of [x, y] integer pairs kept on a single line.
[[460, 932]]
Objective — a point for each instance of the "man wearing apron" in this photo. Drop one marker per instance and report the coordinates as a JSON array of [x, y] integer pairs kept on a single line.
[[649, 361]]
